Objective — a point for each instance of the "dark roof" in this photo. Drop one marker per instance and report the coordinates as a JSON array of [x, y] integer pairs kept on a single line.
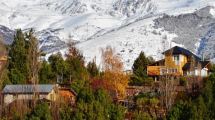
[[203, 64], [73, 91], [15, 89], [69, 89], [179, 50]]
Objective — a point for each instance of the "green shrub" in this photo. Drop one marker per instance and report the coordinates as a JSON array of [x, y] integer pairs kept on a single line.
[[183, 81]]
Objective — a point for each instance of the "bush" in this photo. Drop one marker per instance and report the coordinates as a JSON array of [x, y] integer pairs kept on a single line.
[[40, 112], [139, 115], [183, 81]]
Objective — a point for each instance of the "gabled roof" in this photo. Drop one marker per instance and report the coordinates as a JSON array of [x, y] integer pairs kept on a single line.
[[27, 89], [179, 50], [204, 63], [68, 89]]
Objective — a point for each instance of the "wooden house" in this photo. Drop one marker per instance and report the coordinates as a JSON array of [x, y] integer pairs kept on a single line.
[[29, 92], [179, 62], [67, 95]]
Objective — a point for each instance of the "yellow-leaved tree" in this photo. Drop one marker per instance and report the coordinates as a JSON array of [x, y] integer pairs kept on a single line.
[[114, 76]]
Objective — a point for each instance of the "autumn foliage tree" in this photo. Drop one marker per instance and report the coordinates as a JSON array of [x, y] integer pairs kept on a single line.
[[113, 72], [3, 65]]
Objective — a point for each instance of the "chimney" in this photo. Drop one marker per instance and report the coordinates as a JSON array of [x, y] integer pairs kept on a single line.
[[203, 56]]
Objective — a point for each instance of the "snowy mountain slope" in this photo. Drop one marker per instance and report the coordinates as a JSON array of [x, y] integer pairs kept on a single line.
[[129, 42], [194, 31], [94, 15], [130, 26]]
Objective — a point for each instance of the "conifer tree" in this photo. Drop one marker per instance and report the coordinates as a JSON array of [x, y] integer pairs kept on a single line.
[[199, 110], [40, 112], [141, 61], [24, 58], [93, 69], [139, 68], [96, 105], [18, 66], [58, 68], [46, 74], [77, 73]]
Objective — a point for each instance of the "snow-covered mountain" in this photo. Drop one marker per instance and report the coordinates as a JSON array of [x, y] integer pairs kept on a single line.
[[130, 26]]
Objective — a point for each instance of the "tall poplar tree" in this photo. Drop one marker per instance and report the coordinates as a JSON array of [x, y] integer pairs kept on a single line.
[[32, 57]]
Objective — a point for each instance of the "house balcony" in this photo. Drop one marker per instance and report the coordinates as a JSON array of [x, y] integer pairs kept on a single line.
[[161, 70]]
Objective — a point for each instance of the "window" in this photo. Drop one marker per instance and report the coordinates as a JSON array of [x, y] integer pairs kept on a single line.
[[173, 70], [165, 71], [176, 59]]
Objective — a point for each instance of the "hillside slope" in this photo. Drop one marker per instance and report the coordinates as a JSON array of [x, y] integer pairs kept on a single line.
[[130, 26]]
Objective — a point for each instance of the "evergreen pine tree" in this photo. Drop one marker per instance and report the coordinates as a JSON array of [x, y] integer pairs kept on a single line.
[[58, 67], [77, 73], [40, 112], [45, 73], [18, 66], [93, 69], [141, 61], [139, 68]]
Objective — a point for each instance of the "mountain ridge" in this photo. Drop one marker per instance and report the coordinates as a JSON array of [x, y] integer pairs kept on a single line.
[[130, 26]]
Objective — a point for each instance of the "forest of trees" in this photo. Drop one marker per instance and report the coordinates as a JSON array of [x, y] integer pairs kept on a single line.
[[97, 88]]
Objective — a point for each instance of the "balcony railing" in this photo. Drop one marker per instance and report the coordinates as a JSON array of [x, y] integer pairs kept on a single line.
[[161, 70]]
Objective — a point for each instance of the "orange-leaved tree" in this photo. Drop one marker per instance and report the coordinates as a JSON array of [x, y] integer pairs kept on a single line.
[[113, 75]]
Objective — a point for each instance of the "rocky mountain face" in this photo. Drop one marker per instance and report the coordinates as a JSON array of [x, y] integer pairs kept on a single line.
[[130, 26], [6, 34], [194, 30]]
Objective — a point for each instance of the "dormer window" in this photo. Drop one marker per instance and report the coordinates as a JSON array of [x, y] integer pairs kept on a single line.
[[176, 59]]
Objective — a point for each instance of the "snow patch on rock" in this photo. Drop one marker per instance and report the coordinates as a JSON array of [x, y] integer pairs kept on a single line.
[[212, 11]]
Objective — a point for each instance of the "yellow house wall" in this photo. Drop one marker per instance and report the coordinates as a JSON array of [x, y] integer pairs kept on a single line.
[[170, 63], [52, 96]]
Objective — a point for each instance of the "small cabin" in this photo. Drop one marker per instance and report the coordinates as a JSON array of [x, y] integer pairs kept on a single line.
[[67, 95], [29, 92]]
